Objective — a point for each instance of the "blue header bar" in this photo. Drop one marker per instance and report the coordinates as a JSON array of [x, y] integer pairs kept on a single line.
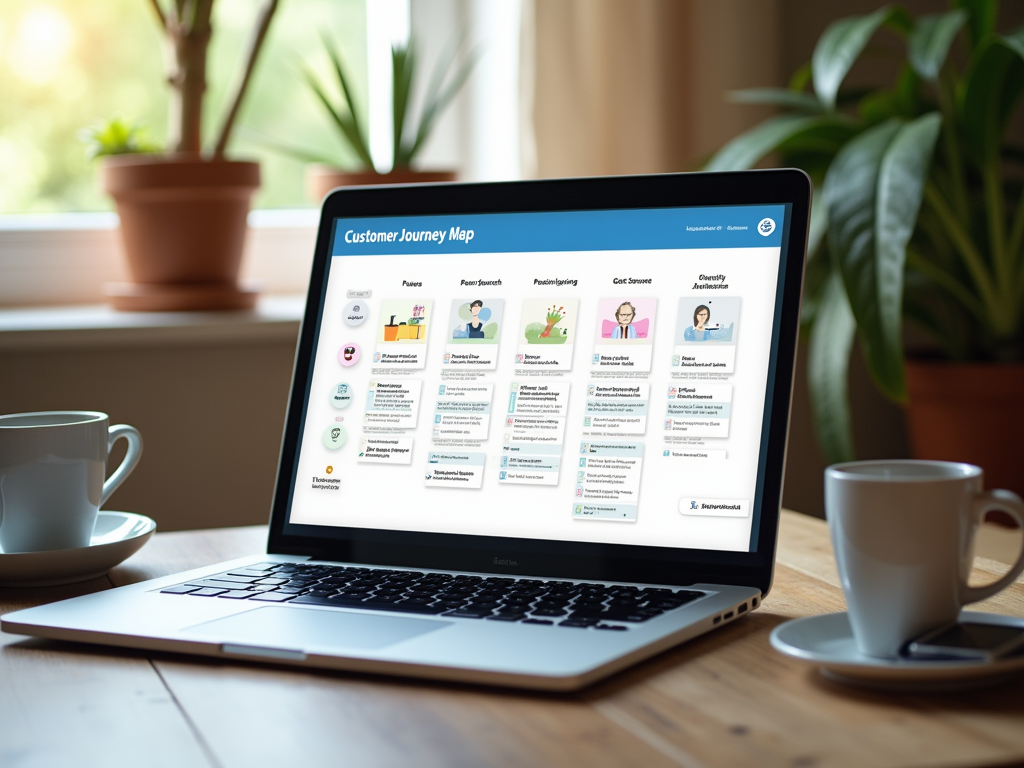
[[746, 226]]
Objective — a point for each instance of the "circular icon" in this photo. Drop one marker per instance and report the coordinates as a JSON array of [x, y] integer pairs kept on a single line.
[[341, 395], [766, 227], [330, 468], [335, 437], [348, 354], [355, 312]]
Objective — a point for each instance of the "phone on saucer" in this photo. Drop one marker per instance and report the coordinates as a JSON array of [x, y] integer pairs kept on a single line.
[[967, 641]]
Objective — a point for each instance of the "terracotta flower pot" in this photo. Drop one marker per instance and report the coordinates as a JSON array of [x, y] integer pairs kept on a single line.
[[183, 224], [972, 412], [321, 179]]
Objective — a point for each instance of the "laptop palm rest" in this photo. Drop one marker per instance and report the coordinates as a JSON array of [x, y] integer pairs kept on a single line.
[[309, 629]]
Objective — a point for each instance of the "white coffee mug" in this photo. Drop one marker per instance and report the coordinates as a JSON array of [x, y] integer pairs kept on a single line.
[[903, 533], [52, 470]]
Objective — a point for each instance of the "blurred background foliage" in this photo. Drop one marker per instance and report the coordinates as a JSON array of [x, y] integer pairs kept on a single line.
[[67, 64]]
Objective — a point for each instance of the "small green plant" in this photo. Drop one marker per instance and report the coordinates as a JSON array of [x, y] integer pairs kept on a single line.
[[116, 136], [449, 75], [919, 212]]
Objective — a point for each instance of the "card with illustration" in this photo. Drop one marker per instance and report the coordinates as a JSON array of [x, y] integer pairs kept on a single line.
[[402, 333], [706, 331], [473, 330], [547, 329], [625, 333]]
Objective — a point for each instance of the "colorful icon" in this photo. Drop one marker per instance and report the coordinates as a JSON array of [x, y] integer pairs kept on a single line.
[[348, 354], [334, 437], [355, 313], [341, 395], [329, 469]]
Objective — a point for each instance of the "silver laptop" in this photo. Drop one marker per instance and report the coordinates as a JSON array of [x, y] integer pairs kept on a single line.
[[536, 433]]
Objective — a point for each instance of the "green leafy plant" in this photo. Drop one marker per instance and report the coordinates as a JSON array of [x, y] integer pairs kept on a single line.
[[187, 28], [919, 211], [449, 75], [116, 136]]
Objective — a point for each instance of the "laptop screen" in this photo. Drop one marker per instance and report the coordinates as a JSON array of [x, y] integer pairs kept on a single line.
[[579, 376]]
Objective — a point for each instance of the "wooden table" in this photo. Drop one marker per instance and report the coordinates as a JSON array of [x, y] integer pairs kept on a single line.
[[724, 699]]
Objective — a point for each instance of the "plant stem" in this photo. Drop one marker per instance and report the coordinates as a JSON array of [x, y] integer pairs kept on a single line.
[[942, 278], [946, 101], [155, 4], [188, 41], [994, 208], [255, 44], [973, 260]]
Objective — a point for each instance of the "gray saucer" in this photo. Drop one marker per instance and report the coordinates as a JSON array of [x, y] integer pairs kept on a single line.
[[827, 642], [116, 537]]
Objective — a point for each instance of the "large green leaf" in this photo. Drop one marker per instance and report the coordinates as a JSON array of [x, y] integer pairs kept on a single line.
[[983, 15], [994, 82], [443, 86], [928, 44], [828, 361], [403, 68], [746, 149], [838, 48], [873, 192], [818, 226], [777, 97]]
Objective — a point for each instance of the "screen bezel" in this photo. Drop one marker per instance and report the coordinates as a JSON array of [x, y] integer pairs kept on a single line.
[[541, 557]]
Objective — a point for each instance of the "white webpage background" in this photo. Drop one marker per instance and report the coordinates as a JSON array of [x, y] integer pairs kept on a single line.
[[394, 497]]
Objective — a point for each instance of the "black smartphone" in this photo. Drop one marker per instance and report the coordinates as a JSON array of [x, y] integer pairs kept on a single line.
[[967, 641]]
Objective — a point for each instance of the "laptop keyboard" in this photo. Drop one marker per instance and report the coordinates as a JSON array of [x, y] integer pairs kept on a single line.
[[528, 601]]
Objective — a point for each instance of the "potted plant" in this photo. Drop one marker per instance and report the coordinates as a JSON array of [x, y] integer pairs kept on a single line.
[[918, 220], [410, 135], [183, 213]]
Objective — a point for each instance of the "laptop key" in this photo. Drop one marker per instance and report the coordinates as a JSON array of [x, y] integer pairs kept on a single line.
[[537, 621], [271, 597], [237, 579], [398, 607], [465, 613], [208, 592], [182, 589], [237, 594], [213, 584]]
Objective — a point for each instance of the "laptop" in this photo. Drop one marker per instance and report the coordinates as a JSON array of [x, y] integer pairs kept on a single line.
[[536, 433]]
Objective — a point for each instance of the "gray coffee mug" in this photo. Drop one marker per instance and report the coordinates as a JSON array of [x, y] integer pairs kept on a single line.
[[52, 470]]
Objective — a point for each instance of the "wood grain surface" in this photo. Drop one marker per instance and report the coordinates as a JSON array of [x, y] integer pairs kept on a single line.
[[725, 699]]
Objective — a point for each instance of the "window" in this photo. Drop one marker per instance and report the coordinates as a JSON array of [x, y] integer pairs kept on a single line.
[[66, 65]]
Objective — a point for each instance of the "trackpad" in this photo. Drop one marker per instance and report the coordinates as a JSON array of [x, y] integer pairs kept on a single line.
[[311, 630]]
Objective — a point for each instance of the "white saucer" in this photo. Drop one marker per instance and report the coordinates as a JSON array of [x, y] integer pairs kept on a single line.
[[827, 642], [116, 537]]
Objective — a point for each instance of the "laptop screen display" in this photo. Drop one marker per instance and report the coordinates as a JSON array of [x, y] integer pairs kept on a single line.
[[583, 376]]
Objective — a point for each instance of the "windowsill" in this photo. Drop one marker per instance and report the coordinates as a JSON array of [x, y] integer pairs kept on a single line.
[[65, 259], [276, 318]]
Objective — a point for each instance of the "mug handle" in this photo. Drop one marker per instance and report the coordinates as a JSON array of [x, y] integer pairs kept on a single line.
[[134, 453], [1012, 504]]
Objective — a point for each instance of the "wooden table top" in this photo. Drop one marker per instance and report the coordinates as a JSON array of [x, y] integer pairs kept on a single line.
[[724, 699]]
